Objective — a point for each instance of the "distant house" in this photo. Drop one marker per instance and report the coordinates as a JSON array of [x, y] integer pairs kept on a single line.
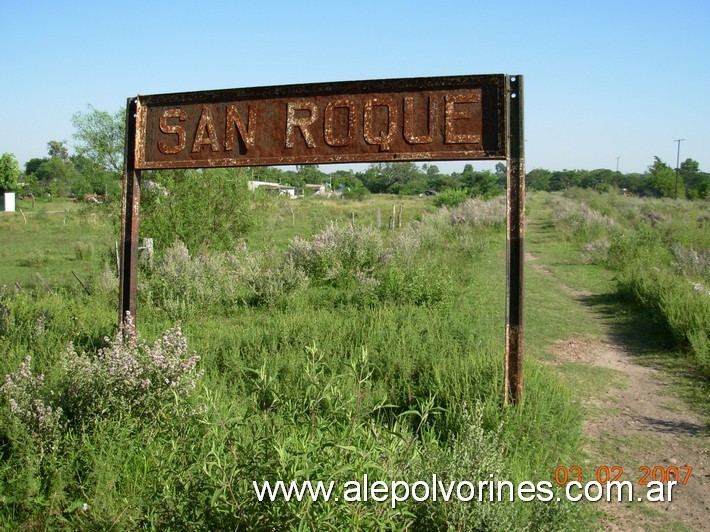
[[291, 192], [317, 190], [281, 190]]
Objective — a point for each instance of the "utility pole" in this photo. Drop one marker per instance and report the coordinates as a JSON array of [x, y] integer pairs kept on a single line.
[[617, 162], [677, 166]]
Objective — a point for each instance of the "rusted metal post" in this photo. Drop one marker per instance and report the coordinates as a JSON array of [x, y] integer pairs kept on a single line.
[[515, 213], [128, 275]]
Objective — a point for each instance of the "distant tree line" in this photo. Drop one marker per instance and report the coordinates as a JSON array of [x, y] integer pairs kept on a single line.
[[96, 167], [660, 180], [408, 178]]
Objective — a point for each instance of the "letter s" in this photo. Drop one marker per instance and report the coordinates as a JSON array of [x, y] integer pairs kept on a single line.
[[172, 129]]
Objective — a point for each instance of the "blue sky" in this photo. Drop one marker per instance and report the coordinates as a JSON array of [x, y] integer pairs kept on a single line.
[[603, 79]]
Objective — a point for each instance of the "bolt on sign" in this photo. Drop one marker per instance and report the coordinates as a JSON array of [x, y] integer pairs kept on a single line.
[[423, 119]]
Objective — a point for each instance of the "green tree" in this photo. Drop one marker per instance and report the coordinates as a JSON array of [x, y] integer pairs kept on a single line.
[[480, 184], [431, 170], [600, 179], [33, 164], [347, 178], [703, 190], [96, 179], [663, 180], [58, 149], [211, 208], [9, 172], [538, 179], [100, 137], [633, 182], [59, 177], [467, 173], [270, 174], [309, 174], [390, 177], [501, 175], [32, 185], [692, 177], [444, 181], [561, 180]]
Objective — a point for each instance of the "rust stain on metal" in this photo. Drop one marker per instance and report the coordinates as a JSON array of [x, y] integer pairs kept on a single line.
[[449, 118]]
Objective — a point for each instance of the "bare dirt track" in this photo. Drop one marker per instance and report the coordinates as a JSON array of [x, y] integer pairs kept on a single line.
[[637, 422]]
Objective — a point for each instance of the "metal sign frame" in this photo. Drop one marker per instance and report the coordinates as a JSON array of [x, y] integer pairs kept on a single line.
[[417, 119]]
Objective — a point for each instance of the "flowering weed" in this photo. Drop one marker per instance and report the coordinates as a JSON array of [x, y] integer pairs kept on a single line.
[[128, 377], [25, 394]]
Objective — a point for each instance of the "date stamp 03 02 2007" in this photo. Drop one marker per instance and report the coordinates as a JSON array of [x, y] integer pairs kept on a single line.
[[604, 474]]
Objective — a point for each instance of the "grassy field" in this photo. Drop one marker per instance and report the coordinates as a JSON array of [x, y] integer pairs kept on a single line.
[[329, 348], [52, 239]]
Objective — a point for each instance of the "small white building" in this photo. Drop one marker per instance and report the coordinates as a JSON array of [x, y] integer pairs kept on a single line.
[[8, 202], [281, 190]]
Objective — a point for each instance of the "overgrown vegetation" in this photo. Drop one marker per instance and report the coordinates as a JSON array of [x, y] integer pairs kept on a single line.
[[341, 351], [321, 347], [660, 252]]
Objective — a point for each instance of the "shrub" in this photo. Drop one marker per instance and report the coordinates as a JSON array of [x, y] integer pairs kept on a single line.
[[211, 209], [418, 285], [643, 246], [476, 212], [30, 407], [450, 197], [578, 221], [673, 303], [404, 245], [596, 252], [183, 284], [128, 377], [694, 264], [269, 280], [35, 259], [336, 254], [106, 282]]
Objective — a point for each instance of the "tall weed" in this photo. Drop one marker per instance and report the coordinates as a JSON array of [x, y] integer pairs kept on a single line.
[[270, 279], [183, 284], [673, 303], [336, 254], [578, 222], [694, 264]]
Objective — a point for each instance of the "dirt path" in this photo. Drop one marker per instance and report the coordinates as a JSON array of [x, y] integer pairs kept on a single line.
[[638, 422]]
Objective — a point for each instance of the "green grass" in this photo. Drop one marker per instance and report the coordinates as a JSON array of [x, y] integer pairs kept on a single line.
[[58, 238], [288, 391], [272, 409]]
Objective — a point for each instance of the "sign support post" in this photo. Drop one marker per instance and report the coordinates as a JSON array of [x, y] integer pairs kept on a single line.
[[515, 240], [128, 274]]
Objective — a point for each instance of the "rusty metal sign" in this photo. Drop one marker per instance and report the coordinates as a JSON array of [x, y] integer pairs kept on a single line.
[[446, 118], [449, 118]]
